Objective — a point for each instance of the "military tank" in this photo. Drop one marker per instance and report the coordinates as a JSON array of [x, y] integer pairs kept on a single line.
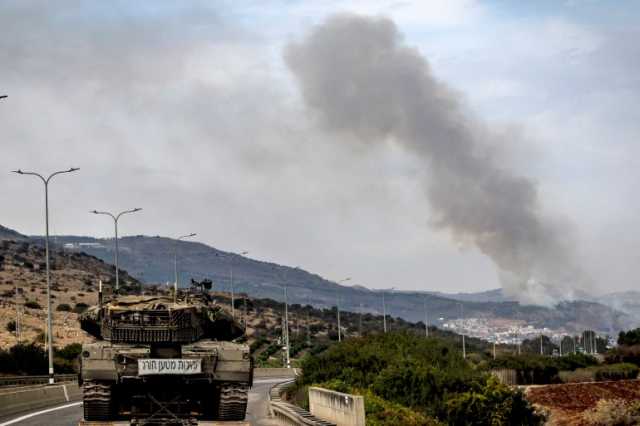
[[164, 359]]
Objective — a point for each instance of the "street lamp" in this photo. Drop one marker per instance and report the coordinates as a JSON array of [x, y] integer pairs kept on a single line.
[[46, 249], [115, 222], [384, 311], [426, 318], [233, 297], [3, 96], [464, 347], [175, 264], [338, 308]]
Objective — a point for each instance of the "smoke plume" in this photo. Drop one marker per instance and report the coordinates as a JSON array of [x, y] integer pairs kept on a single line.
[[363, 82]]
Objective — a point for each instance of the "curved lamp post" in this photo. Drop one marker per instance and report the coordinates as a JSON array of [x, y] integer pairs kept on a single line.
[[46, 249], [115, 218]]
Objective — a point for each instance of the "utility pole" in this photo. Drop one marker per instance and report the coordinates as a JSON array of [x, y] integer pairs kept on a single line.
[[360, 322], [286, 328], [46, 181], [338, 307], [17, 315], [426, 318], [464, 347], [308, 323], [384, 310], [338, 311], [494, 347], [115, 223], [384, 314], [541, 349], [175, 262]]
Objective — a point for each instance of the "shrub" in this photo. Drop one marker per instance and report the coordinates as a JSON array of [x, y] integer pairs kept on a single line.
[[32, 304], [63, 307], [630, 354], [620, 371], [80, 308], [427, 376], [492, 404], [580, 375], [629, 338], [11, 326], [613, 412]]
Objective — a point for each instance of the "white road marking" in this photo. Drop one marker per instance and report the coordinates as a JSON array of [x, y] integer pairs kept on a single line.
[[37, 413]]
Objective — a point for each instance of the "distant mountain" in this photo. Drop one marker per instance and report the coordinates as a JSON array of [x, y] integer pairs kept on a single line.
[[10, 234], [495, 295], [150, 259]]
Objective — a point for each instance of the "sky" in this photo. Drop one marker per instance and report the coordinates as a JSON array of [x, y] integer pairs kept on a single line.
[[191, 111]]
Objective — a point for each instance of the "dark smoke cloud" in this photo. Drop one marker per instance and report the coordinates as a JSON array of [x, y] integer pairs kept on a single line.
[[364, 83]]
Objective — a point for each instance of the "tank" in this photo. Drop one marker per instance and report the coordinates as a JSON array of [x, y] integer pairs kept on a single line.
[[163, 360]]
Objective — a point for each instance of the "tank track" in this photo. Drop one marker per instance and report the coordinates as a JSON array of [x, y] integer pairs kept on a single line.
[[96, 401], [233, 401]]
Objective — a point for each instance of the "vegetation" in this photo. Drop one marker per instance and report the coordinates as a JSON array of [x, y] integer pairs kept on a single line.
[[80, 308], [63, 307], [613, 412], [427, 376], [32, 304], [629, 338], [31, 359], [537, 369]]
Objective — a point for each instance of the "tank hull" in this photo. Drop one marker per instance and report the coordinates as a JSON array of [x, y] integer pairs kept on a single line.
[[205, 380]]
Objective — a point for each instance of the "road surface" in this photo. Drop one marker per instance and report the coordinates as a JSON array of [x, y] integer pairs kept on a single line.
[[69, 414]]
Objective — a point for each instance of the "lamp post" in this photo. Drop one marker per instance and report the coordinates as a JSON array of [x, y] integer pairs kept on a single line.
[[46, 249], [426, 318], [384, 311], [233, 297], [115, 223], [338, 308], [464, 347], [175, 264]]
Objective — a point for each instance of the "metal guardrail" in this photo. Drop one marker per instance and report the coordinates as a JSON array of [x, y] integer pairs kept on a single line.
[[289, 414], [8, 381]]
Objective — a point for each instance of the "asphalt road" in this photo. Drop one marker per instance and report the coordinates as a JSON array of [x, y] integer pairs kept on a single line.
[[70, 414]]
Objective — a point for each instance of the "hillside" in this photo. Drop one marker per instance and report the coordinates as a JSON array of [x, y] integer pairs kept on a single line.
[[74, 280], [150, 260]]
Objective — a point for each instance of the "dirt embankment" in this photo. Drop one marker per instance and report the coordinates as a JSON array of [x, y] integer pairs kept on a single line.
[[566, 403]]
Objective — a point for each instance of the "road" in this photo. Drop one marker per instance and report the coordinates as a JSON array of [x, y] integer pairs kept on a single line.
[[70, 414]]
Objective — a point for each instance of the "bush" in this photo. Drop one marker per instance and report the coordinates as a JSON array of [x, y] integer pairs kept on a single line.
[[621, 371], [580, 375], [11, 326], [63, 307], [32, 304], [23, 359], [629, 338], [530, 369], [613, 412], [427, 376], [492, 404], [80, 308], [626, 354]]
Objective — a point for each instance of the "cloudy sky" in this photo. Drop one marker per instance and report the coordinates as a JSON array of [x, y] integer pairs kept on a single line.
[[191, 111]]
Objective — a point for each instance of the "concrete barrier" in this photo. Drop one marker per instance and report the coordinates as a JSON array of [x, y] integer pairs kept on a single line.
[[339, 408], [32, 398], [260, 373]]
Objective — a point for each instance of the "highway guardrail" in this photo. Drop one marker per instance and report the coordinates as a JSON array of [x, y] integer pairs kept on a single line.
[[289, 414], [6, 381]]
